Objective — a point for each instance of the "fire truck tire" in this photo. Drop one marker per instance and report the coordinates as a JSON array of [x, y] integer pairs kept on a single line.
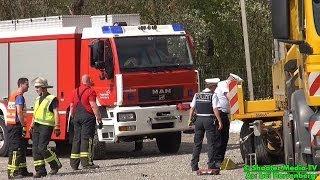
[[169, 142], [4, 145], [99, 148], [246, 147]]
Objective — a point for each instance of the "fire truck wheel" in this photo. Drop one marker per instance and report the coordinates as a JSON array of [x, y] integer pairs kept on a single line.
[[169, 142], [99, 148], [4, 145], [246, 142]]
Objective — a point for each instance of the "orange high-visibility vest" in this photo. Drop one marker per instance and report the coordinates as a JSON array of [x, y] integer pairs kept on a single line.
[[11, 109]]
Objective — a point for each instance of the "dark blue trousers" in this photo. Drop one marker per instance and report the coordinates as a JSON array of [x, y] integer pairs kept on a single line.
[[205, 125]]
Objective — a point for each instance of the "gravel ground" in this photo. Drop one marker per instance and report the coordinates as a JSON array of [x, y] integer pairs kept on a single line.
[[121, 163]]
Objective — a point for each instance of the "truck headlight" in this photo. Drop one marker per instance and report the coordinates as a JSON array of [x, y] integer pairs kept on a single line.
[[124, 117]]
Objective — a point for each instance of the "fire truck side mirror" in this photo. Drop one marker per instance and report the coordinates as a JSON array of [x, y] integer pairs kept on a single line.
[[101, 58], [191, 43], [97, 54], [209, 47]]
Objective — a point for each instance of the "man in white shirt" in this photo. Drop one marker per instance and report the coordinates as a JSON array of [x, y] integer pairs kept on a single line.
[[205, 105], [221, 91]]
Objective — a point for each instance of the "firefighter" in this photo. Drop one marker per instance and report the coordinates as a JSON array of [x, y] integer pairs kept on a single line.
[[45, 121], [131, 62], [85, 112], [222, 90], [205, 105], [16, 127]]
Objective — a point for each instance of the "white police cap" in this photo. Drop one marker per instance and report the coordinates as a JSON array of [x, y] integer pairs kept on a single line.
[[235, 77], [206, 90], [212, 81]]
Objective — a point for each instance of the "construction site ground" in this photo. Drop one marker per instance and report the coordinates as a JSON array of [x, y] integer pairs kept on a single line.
[[121, 163]]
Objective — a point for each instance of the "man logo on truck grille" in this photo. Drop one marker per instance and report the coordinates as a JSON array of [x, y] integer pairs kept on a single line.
[[160, 94], [161, 91]]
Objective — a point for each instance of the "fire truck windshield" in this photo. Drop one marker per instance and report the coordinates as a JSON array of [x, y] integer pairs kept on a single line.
[[153, 52]]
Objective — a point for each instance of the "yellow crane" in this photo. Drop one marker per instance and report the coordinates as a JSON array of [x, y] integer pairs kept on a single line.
[[288, 125]]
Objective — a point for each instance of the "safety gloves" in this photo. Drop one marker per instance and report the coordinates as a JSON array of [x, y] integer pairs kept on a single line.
[[24, 131]]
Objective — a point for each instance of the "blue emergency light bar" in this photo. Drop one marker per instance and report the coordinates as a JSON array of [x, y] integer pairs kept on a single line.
[[177, 27], [112, 30]]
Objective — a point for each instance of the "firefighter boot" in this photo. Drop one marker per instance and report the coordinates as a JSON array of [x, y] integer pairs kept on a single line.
[[75, 161], [53, 161], [24, 172], [86, 154], [86, 161], [40, 174], [40, 168], [13, 165], [55, 169]]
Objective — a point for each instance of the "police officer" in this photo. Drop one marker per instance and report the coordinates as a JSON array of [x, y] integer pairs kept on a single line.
[[45, 121], [86, 113], [205, 105], [17, 167], [221, 91]]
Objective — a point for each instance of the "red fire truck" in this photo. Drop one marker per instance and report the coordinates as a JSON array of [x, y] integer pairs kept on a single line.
[[144, 75]]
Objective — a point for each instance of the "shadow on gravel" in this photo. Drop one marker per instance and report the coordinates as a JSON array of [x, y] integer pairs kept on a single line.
[[116, 151], [78, 172], [150, 149], [103, 169], [129, 164]]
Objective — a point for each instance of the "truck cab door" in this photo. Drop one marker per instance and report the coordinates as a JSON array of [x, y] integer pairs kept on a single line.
[[102, 71]]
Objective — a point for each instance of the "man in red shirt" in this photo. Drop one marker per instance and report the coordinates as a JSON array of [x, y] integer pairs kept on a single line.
[[85, 114]]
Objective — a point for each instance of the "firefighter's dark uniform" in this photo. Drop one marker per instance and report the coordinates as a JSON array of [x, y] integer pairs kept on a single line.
[[204, 103], [17, 144], [84, 129], [42, 130], [17, 150]]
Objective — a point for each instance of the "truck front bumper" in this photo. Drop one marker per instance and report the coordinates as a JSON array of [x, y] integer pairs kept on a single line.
[[148, 121]]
